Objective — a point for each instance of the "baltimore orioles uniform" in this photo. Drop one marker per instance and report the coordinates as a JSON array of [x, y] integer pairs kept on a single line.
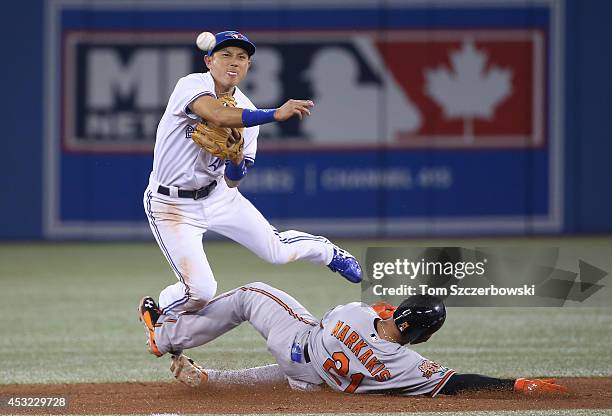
[[178, 221], [342, 349]]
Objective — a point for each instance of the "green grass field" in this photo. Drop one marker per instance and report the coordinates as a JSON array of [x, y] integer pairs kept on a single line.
[[68, 315]]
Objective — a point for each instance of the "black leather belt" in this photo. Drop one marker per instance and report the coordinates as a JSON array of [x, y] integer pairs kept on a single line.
[[306, 356], [203, 192]]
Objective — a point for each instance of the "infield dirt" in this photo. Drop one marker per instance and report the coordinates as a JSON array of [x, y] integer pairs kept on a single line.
[[130, 398]]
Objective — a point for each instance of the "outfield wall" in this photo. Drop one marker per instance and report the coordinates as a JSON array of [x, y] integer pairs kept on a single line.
[[432, 117]]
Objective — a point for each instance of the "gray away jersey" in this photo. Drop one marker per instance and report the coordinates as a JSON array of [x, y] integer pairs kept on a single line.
[[346, 352]]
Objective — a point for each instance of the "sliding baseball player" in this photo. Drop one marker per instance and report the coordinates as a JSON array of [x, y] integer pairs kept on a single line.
[[354, 348]]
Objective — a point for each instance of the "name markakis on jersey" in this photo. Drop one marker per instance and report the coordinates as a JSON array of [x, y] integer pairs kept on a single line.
[[485, 276]]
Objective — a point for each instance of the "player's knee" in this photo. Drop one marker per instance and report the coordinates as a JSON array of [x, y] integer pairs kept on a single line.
[[202, 294], [195, 303]]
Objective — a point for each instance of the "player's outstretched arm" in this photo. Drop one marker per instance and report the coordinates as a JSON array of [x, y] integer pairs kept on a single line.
[[459, 383], [213, 111]]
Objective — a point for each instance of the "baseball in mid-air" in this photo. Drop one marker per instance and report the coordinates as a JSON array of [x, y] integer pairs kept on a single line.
[[206, 41]]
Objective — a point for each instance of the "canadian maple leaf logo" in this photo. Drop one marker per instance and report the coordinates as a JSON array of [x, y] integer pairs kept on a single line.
[[468, 92]]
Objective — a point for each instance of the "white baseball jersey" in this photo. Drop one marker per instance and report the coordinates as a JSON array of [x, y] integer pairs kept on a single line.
[[347, 353], [180, 162]]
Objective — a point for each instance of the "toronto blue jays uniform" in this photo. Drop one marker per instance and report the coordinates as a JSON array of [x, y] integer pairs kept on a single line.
[[188, 196]]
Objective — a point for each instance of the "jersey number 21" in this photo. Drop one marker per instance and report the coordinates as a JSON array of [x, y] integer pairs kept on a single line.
[[331, 366]]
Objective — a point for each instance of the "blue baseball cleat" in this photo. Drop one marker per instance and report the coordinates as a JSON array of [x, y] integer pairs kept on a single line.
[[345, 264]]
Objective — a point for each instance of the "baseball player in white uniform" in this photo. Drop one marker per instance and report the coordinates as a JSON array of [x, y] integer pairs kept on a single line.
[[354, 348], [191, 191]]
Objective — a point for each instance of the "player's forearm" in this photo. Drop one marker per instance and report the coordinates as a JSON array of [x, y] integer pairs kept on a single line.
[[226, 117], [213, 111], [267, 374], [459, 383], [238, 117]]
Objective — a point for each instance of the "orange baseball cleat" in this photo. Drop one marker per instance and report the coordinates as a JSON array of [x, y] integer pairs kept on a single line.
[[148, 314]]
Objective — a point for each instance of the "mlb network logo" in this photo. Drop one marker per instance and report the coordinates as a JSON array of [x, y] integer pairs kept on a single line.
[[400, 89], [116, 87]]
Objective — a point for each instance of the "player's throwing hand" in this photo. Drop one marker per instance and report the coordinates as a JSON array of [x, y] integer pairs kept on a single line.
[[292, 108]]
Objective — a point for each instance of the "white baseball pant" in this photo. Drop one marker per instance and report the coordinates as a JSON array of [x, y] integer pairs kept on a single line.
[[179, 224]]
